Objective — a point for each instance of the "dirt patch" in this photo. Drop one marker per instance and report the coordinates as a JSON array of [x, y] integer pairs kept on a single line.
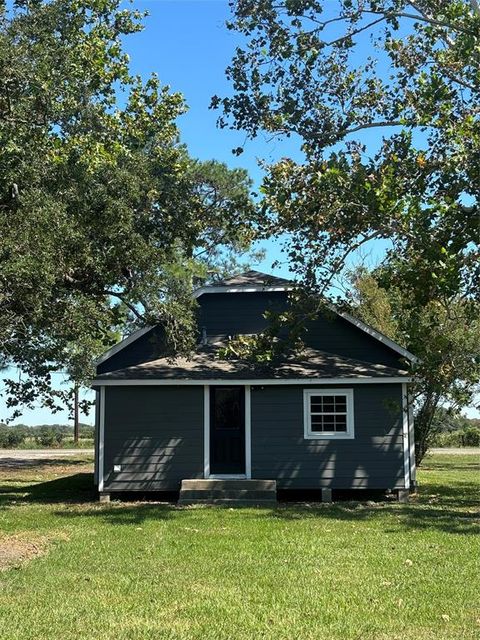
[[16, 550]]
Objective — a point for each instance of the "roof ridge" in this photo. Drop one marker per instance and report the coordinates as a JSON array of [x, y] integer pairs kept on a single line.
[[250, 278]]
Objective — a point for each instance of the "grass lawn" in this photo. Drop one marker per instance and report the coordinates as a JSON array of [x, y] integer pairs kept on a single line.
[[75, 569]]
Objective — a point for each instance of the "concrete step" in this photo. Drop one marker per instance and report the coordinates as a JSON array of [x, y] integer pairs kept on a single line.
[[226, 491], [232, 502], [250, 494], [226, 483]]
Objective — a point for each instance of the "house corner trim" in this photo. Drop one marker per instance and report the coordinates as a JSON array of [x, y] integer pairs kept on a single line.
[[101, 448], [405, 429]]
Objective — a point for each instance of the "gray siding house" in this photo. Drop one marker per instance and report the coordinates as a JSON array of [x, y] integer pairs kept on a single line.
[[334, 418]]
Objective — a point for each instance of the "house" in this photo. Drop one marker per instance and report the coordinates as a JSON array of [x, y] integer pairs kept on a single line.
[[334, 418]]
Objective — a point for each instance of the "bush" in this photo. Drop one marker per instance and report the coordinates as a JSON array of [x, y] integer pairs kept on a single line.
[[467, 437], [87, 432], [49, 437], [471, 437], [11, 438]]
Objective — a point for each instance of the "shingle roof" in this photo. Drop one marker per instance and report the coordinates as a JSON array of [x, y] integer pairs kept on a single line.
[[205, 365], [254, 279]]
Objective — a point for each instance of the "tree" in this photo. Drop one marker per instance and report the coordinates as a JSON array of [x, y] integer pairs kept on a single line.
[[328, 74], [105, 220], [444, 335]]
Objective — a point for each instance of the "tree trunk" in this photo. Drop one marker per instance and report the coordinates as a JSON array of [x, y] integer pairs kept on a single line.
[[76, 422], [423, 425]]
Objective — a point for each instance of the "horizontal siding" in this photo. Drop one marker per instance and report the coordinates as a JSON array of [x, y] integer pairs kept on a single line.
[[382, 483], [383, 443], [137, 485], [223, 314], [232, 313], [155, 434], [336, 335], [373, 459]]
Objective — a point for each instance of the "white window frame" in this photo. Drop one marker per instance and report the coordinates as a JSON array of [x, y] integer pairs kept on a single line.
[[349, 434]]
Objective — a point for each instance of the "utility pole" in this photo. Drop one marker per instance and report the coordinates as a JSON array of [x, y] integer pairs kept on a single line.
[[76, 422]]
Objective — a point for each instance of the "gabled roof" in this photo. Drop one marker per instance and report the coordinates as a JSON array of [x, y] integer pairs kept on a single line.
[[248, 282], [122, 344], [254, 282], [310, 364], [253, 279]]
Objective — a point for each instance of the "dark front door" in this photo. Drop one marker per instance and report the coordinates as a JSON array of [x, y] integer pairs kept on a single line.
[[227, 430]]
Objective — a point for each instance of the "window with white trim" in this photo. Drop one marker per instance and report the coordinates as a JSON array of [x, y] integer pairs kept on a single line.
[[328, 414]]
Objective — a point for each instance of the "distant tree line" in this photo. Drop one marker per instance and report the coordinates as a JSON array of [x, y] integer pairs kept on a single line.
[[455, 430], [43, 435]]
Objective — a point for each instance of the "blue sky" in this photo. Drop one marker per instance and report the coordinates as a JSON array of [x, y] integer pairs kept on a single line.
[[186, 43]]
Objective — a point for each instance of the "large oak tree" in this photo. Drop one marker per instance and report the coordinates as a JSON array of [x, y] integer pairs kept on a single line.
[[104, 217], [383, 99], [329, 73]]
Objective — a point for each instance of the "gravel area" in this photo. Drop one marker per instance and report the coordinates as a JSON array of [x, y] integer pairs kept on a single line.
[[15, 458]]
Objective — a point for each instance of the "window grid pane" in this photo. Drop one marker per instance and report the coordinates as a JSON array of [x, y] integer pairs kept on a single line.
[[328, 413]]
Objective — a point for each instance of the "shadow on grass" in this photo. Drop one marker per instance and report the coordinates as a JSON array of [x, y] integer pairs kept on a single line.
[[393, 517], [76, 496], [16, 464], [412, 516], [76, 488], [447, 508], [468, 467]]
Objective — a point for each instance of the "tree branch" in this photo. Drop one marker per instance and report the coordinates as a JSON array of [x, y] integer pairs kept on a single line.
[[422, 18], [372, 125], [340, 262], [354, 32], [133, 309]]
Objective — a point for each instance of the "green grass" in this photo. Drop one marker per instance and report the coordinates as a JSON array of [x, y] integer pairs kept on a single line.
[[347, 571]]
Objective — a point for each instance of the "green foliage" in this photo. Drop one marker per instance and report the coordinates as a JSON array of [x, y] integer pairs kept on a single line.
[[302, 74], [444, 335], [54, 435], [281, 338], [469, 437], [452, 429], [48, 437], [447, 420], [11, 438], [87, 432], [373, 302], [105, 220]]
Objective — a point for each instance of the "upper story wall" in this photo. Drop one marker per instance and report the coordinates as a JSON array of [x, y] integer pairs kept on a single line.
[[228, 314], [224, 314]]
